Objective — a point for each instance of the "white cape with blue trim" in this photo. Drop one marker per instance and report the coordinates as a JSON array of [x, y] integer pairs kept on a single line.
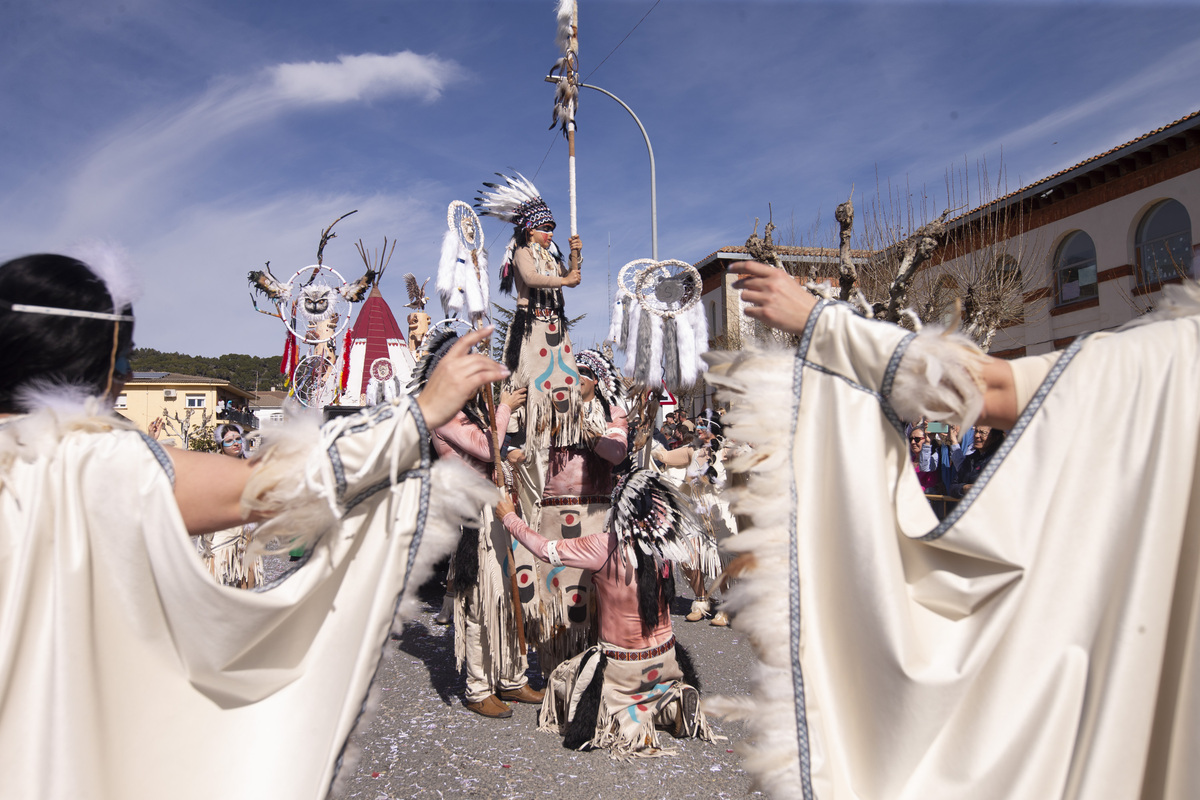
[[127, 672], [1042, 642]]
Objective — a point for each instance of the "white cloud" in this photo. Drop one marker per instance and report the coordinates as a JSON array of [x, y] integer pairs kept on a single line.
[[363, 77], [137, 171]]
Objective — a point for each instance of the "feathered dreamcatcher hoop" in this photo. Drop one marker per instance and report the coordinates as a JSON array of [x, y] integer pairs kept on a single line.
[[462, 280], [648, 514], [658, 322], [314, 381]]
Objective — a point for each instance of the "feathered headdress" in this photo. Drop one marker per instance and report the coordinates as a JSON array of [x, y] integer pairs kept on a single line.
[[608, 383], [433, 350], [518, 202], [648, 514]]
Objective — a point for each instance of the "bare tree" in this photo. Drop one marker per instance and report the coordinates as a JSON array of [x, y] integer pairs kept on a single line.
[[974, 269], [192, 436], [988, 272]]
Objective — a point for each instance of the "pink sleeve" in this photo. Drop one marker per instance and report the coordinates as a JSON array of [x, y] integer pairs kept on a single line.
[[467, 438], [586, 552], [613, 446]]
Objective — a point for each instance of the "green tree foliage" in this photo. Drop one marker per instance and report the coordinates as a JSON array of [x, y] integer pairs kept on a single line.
[[241, 370]]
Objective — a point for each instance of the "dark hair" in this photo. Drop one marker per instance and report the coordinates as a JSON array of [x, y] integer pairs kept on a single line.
[[70, 350]]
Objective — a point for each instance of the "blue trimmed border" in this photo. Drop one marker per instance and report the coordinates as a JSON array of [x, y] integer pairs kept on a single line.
[[410, 406], [802, 743], [1010, 441], [160, 456]]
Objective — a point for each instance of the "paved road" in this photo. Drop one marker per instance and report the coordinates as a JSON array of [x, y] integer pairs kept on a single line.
[[424, 744]]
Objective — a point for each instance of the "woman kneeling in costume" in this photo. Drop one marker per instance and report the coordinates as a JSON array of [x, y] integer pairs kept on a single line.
[[617, 694]]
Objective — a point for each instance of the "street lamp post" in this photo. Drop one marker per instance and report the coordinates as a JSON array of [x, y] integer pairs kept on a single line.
[[649, 149]]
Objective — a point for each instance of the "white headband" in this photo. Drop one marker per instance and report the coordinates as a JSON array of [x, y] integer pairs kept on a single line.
[[69, 312]]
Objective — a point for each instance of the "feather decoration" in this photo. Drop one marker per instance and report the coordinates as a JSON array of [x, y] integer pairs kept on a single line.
[[566, 25], [110, 263], [643, 355], [449, 275], [506, 202], [648, 514], [670, 347], [689, 360]]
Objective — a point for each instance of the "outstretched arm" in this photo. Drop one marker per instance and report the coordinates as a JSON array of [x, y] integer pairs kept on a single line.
[[208, 488], [586, 552], [777, 299]]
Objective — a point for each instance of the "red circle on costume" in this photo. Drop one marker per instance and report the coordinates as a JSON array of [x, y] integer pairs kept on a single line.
[[570, 380], [542, 352], [546, 385], [652, 674], [566, 348], [642, 707], [554, 582], [524, 579], [635, 697], [553, 327], [557, 395], [575, 597], [570, 519]]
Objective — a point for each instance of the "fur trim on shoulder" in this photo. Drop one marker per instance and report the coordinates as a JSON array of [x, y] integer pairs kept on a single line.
[[1178, 300], [286, 487], [941, 378]]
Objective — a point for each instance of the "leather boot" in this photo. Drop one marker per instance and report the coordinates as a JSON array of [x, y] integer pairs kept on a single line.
[[491, 707]]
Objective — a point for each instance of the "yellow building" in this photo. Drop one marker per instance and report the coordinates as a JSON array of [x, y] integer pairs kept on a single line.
[[187, 403]]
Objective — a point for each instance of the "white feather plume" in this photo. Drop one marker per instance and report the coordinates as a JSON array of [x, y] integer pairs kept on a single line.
[[503, 200], [111, 264], [566, 20], [448, 286]]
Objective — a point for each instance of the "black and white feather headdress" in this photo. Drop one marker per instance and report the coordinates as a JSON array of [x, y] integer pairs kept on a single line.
[[608, 377], [518, 202], [433, 350], [649, 514]]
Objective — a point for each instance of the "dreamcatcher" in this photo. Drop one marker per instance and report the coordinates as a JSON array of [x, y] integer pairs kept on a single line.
[[314, 381], [314, 305], [462, 280], [659, 323], [383, 385]]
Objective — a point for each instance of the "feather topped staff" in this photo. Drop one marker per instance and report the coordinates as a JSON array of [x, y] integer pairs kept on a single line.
[[566, 92]]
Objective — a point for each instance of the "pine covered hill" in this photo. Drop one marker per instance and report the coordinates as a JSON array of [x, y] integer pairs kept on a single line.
[[240, 370]]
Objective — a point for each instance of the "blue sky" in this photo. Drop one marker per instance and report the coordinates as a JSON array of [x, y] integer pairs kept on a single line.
[[207, 137]]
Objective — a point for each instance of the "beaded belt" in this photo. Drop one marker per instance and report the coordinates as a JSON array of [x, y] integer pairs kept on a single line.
[[641, 655], [544, 313], [585, 500]]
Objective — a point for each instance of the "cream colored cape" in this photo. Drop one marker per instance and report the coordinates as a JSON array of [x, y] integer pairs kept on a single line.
[[1042, 642], [127, 672]]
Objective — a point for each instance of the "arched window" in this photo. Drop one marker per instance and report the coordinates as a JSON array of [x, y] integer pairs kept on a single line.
[[1164, 243], [1075, 266]]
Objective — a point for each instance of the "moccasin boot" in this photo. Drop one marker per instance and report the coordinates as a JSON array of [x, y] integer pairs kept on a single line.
[[687, 718], [490, 706], [525, 694], [700, 609], [720, 619], [446, 614]]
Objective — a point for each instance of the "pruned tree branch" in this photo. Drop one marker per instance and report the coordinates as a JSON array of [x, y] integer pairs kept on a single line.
[[916, 249], [847, 272]]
